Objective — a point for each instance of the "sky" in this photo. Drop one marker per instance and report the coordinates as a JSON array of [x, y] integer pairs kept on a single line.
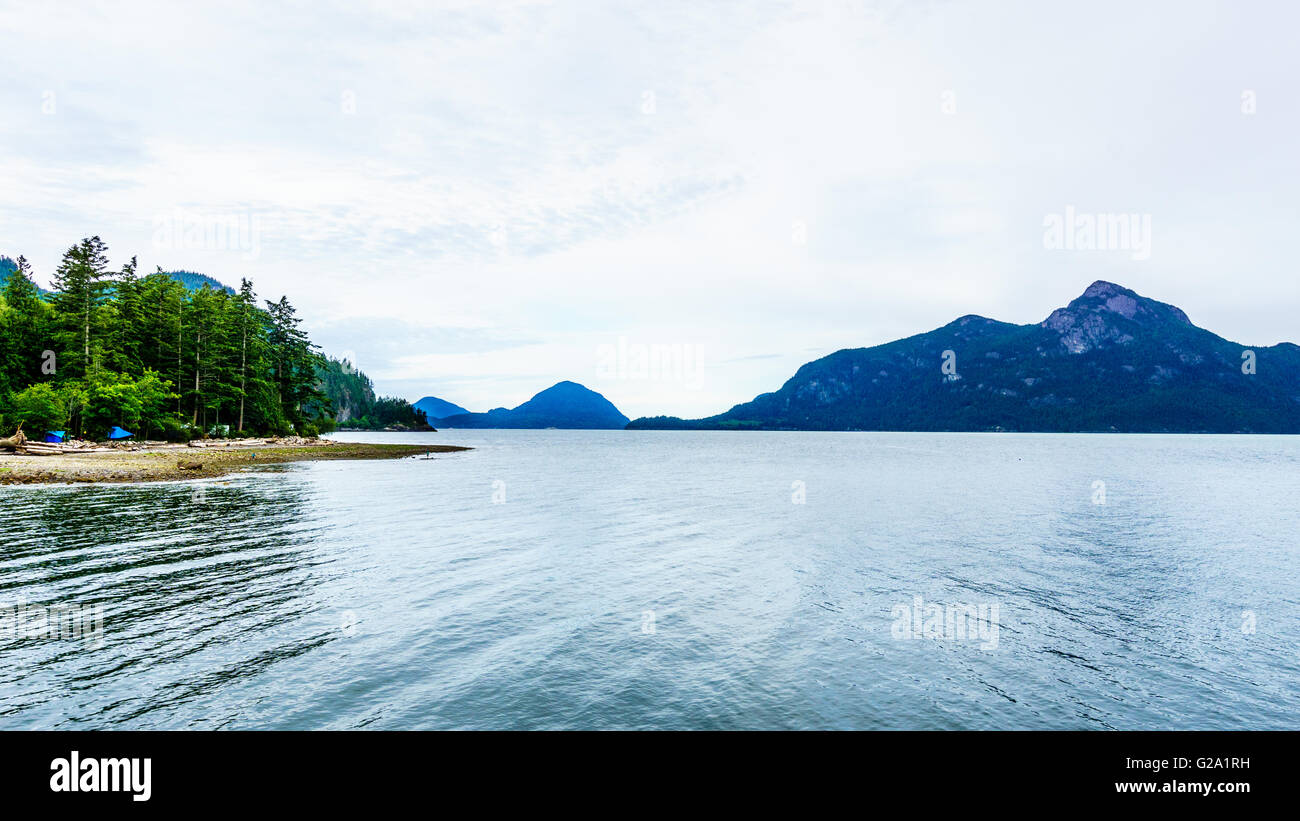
[[674, 203]]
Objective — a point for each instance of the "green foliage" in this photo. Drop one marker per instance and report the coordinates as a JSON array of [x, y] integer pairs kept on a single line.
[[80, 288], [140, 405], [23, 323], [39, 408], [194, 281], [349, 396], [150, 354]]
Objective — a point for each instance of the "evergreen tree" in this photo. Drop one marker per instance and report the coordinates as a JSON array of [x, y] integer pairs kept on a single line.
[[79, 285], [20, 329], [295, 360], [158, 357], [127, 325], [250, 339]]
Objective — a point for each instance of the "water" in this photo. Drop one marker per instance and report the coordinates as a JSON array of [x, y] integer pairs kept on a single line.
[[659, 579]]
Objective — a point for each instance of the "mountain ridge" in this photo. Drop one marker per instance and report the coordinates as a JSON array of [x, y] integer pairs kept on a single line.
[[436, 408], [563, 405], [193, 281], [1110, 360]]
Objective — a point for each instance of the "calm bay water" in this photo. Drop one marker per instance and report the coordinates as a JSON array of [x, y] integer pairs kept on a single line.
[[620, 579]]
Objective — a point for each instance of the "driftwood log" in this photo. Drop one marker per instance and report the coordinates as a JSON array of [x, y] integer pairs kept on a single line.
[[16, 441], [40, 449], [22, 446]]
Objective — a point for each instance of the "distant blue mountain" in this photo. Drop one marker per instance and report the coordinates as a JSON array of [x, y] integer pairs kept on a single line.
[[564, 405], [190, 279], [195, 281], [8, 266], [436, 408]]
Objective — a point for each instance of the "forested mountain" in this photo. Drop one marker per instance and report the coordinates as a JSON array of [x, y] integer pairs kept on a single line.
[[195, 281], [1109, 361], [8, 266], [110, 347], [563, 405], [352, 398]]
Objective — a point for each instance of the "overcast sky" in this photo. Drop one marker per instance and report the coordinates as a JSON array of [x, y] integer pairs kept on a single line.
[[476, 200]]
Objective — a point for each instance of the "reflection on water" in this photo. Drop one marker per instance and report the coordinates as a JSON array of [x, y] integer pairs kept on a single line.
[[198, 584], [674, 579]]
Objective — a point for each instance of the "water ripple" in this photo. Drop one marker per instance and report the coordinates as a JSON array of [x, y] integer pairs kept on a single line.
[[672, 579]]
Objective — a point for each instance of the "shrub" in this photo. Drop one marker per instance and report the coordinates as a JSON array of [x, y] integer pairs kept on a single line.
[[40, 408]]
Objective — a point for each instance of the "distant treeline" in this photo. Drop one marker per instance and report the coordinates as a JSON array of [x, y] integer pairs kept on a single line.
[[154, 356]]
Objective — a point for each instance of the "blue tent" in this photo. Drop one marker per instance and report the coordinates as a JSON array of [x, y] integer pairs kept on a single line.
[[55, 435], [118, 433]]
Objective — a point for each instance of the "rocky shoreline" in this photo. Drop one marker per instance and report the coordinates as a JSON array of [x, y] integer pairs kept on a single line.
[[160, 462]]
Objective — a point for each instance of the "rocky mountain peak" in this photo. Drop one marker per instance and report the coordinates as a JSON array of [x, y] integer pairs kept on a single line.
[[1101, 289], [1095, 317]]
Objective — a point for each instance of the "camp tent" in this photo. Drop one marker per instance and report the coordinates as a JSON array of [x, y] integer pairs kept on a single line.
[[118, 433], [55, 436]]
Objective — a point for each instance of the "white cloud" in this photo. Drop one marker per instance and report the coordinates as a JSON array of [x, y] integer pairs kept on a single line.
[[810, 175]]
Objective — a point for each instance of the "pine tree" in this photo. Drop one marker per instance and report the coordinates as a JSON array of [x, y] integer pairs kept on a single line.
[[20, 324], [245, 327], [162, 299], [295, 361], [201, 319], [128, 323], [151, 354], [79, 285]]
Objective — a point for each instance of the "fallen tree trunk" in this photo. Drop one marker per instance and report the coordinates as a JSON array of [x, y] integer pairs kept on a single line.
[[35, 449], [16, 441]]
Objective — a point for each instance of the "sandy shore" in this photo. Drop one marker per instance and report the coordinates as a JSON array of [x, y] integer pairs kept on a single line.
[[172, 462]]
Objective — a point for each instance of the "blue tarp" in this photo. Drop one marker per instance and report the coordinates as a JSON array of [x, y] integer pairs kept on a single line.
[[118, 433], [55, 435]]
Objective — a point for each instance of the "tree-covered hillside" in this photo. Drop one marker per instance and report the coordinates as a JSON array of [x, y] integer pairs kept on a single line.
[[8, 266], [354, 405], [110, 347], [195, 281], [1111, 360]]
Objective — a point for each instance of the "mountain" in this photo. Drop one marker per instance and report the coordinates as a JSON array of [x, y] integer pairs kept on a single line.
[[194, 281], [353, 404], [1111, 360], [7, 267], [436, 408], [563, 405], [349, 391], [191, 280]]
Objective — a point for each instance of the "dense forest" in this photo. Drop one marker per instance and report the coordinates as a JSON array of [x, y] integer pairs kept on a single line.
[[162, 355], [355, 406]]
